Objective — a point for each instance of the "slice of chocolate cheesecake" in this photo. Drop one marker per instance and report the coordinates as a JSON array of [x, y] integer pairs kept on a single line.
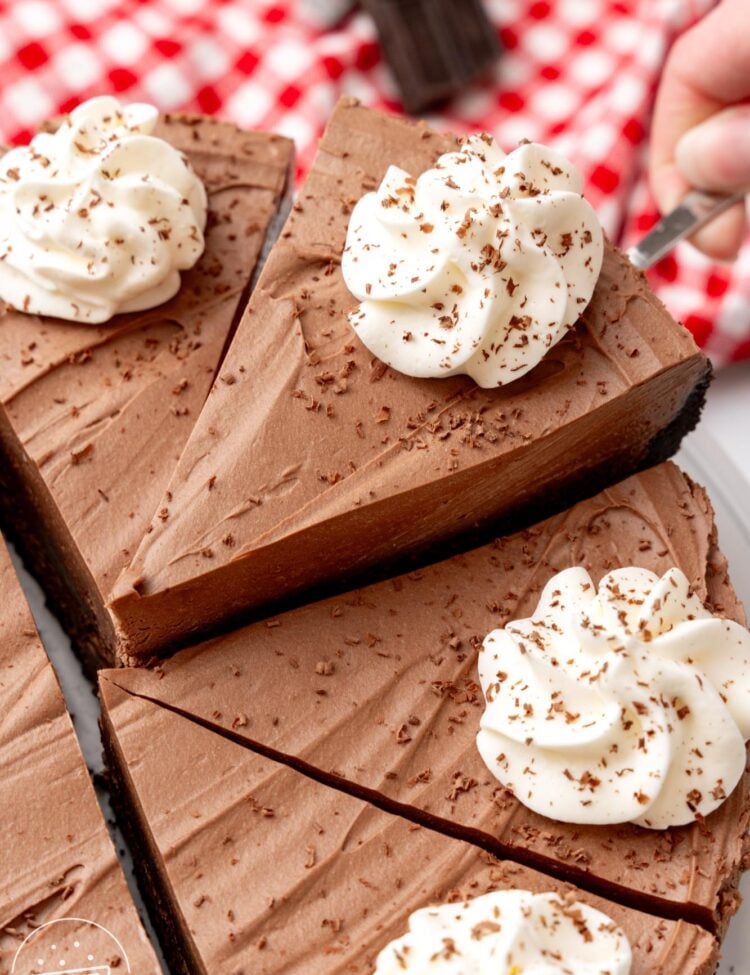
[[250, 866], [94, 418], [377, 691], [313, 461], [56, 854]]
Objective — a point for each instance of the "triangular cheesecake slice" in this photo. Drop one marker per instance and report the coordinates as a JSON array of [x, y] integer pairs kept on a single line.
[[377, 691], [93, 419], [57, 858], [250, 866], [313, 461]]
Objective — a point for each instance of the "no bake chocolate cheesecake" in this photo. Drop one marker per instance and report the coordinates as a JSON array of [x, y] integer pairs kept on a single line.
[[313, 461], [56, 854], [252, 867], [378, 692], [93, 417]]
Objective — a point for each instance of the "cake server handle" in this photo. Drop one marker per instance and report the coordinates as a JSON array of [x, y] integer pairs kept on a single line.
[[693, 212]]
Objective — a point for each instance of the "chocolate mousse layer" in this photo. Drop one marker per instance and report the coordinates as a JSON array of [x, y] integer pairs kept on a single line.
[[56, 858], [377, 692], [93, 419], [313, 461], [251, 867]]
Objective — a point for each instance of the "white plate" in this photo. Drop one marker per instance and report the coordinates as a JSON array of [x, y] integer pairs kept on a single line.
[[706, 461]]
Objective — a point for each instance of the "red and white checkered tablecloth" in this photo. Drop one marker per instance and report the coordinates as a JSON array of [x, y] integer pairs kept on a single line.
[[579, 74]]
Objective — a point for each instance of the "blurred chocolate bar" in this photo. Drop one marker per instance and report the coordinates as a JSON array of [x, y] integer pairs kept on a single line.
[[434, 47]]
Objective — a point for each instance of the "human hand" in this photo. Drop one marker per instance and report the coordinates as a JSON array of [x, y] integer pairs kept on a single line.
[[701, 127]]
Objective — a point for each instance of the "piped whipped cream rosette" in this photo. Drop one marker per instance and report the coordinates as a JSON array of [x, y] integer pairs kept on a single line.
[[630, 703], [509, 931], [478, 266], [98, 217]]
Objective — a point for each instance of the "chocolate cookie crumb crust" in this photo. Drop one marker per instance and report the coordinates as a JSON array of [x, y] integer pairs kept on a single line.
[[314, 462], [208, 818], [377, 692], [93, 419]]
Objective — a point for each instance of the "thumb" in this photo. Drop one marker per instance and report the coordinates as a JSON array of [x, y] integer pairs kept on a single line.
[[715, 155]]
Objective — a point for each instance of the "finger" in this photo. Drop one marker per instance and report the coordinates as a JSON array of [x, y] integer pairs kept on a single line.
[[669, 186], [722, 238], [705, 72], [712, 56], [715, 155]]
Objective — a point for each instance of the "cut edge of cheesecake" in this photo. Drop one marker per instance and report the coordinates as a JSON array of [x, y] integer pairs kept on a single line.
[[144, 630], [687, 948], [29, 512]]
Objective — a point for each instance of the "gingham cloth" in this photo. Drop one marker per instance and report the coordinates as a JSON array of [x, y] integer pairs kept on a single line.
[[578, 74]]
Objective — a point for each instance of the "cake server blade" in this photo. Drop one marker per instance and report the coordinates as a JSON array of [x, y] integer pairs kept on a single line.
[[696, 210]]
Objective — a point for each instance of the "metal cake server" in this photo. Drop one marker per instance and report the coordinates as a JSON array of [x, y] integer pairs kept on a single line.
[[695, 210]]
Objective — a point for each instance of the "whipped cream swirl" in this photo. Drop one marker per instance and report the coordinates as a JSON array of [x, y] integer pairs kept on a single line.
[[98, 217], [626, 704], [479, 266], [509, 931]]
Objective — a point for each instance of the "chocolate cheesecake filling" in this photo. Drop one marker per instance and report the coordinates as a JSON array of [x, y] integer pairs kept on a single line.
[[56, 854], [93, 418], [250, 866], [313, 462], [377, 693]]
